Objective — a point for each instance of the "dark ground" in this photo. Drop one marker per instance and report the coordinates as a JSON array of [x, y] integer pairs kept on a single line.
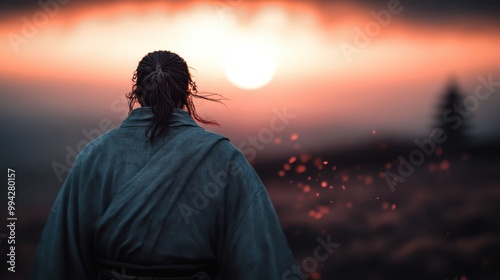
[[441, 223]]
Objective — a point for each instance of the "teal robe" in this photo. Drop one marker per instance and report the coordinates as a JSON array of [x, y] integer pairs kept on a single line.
[[192, 198]]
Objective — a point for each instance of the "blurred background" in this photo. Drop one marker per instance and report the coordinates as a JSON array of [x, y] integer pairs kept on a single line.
[[372, 123]]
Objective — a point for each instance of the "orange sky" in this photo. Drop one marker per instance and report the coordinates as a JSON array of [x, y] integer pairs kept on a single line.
[[83, 58]]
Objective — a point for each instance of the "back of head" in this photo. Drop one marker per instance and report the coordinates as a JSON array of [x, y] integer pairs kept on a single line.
[[163, 82]]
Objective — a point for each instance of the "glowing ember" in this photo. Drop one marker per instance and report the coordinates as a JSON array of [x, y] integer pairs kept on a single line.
[[393, 207], [315, 275], [444, 165], [348, 205], [324, 184], [300, 169], [286, 166], [368, 180], [439, 151], [343, 187], [277, 140], [318, 162], [307, 188], [317, 194], [292, 159], [296, 146], [334, 168], [294, 136], [318, 215], [325, 162], [345, 178], [432, 167], [281, 173], [312, 213], [331, 187], [374, 132], [388, 165], [305, 158], [385, 205], [323, 209]]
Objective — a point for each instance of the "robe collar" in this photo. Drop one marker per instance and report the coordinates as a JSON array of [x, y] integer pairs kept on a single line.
[[143, 116]]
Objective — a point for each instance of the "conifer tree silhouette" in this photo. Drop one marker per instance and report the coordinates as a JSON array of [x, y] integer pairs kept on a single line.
[[454, 119]]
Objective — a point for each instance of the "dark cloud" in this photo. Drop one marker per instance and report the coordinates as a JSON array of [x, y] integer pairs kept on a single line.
[[427, 9], [443, 7]]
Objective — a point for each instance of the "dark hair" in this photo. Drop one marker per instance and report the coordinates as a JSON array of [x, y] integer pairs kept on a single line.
[[163, 82]]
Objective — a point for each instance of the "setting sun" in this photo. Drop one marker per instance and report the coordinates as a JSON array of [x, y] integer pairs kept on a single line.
[[250, 67]]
